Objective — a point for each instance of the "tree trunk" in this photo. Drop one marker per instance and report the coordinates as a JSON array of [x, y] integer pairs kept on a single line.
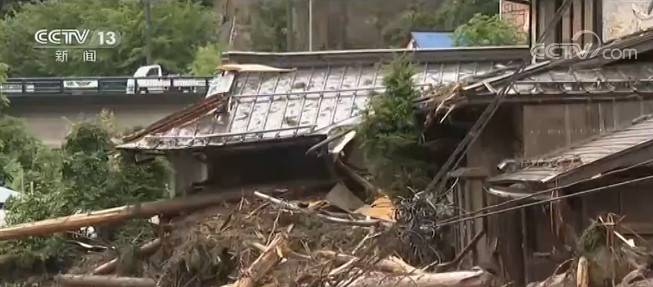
[[103, 281], [114, 215]]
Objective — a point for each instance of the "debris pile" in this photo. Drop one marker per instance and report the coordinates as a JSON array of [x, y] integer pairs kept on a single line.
[[264, 239], [605, 257]]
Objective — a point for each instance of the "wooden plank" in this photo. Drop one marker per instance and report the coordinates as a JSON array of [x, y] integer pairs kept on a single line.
[[577, 20], [532, 18], [264, 263], [546, 13], [566, 26], [588, 20]]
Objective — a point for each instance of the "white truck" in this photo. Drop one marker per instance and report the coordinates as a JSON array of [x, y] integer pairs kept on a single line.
[[154, 79], [151, 79]]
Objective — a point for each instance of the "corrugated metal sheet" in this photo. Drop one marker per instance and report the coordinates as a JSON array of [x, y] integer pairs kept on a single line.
[[627, 78], [306, 101], [548, 168]]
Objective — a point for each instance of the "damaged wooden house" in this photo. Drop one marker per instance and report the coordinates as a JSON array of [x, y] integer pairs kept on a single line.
[[268, 109], [570, 140], [570, 137]]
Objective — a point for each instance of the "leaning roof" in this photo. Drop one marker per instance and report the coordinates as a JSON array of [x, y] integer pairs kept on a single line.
[[587, 74], [602, 150], [271, 96]]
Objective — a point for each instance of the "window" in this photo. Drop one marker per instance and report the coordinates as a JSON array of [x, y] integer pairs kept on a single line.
[[153, 72]]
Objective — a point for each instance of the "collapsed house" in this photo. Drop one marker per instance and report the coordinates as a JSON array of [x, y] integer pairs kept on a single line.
[[273, 107], [569, 141]]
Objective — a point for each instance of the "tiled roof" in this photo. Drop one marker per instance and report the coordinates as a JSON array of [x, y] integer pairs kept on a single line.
[[309, 100]]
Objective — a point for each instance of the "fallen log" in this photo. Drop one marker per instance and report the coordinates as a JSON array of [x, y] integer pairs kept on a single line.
[[391, 265], [143, 251], [102, 281], [450, 279], [114, 215], [262, 265]]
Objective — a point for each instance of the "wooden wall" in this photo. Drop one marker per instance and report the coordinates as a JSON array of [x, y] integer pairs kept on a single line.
[[530, 131], [547, 128], [500, 248], [582, 15]]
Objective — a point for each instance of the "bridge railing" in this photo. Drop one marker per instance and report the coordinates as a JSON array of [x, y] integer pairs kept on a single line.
[[19, 87]]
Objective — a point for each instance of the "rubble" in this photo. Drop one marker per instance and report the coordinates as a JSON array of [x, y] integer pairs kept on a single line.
[[265, 240], [604, 257]]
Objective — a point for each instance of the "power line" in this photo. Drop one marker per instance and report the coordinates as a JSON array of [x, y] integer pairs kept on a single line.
[[576, 194], [462, 148], [545, 191], [439, 180]]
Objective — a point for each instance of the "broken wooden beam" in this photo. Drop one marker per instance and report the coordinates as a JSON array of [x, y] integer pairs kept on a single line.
[[264, 263], [582, 273], [449, 279], [391, 264], [359, 179], [331, 219], [114, 215], [461, 255], [143, 251], [102, 281]]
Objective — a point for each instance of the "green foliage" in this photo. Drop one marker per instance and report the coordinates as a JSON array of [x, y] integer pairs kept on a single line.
[[454, 13], [206, 61], [21, 156], [86, 174], [3, 76], [178, 28], [483, 30], [270, 26], [391, 135], [418, 17]]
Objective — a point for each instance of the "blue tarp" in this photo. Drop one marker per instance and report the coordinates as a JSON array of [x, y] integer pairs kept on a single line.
[[425, 40]]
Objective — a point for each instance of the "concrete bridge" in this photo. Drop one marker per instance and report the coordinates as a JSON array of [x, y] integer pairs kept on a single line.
[[50, 106], [50, 117]]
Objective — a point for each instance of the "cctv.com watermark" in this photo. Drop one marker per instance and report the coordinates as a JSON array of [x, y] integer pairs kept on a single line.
[[560, 51]]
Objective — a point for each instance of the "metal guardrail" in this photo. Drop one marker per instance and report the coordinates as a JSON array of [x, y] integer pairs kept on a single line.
[[96, 86]]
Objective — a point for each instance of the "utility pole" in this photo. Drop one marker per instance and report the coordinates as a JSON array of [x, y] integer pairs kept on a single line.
[[148, 31], [290, 32], [310, 25]]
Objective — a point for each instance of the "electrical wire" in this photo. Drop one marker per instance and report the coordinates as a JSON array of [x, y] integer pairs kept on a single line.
[[439, 180], [549, 190], [576, 194]]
